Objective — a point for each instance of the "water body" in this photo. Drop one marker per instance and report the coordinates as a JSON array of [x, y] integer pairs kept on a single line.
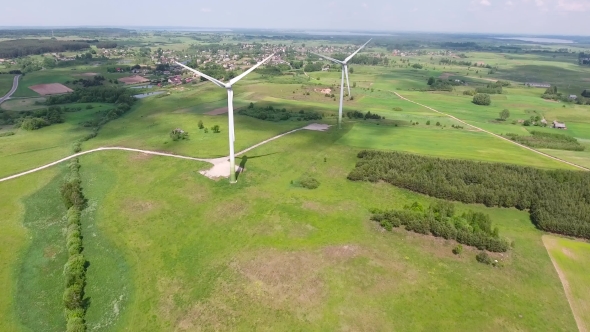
[[149, 94], [142, 87], [345, 33], [539, 40]]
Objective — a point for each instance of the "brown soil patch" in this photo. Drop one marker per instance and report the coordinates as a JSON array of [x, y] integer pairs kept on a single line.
[[324, 91], [586, 79], [50, 89], [133, 79], [282, 280], [218, 111], [550, 243], [285, 282]]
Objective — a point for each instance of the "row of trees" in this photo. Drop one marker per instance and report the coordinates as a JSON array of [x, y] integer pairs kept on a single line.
[[492, 88], [558, 200], [269, 113], [75, 268], [470, 228], [544, 140], [361, 115]]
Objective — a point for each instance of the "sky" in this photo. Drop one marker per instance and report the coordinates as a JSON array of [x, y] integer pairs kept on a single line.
[[538, 17]]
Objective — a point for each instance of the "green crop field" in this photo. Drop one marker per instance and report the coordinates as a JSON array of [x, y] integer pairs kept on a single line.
[[169, 249]]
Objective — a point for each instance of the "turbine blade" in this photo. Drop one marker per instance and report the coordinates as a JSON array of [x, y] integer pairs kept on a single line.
[[215, 81], [237, 78], [353, 54], [347, 82], [328, 58]]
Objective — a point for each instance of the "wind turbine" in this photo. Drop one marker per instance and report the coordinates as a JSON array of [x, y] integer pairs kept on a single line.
[[344, 72], [230, 109]]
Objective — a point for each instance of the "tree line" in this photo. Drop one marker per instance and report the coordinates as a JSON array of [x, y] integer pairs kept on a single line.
[[439, 219], [74, 300], [23, 47], [32, 120], [361, 115], [269, 113], [558, 200]]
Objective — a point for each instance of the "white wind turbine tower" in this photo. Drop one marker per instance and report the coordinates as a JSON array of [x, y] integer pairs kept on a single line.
[[344, 72], [230, 109]]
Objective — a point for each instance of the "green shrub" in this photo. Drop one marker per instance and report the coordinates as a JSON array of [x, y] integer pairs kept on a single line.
[[76, 324], [76, 147], [484, 258], [458, 250], [309, 182], [34, 123], [72, 297], [215, 129], [482, 99], [178, 134]]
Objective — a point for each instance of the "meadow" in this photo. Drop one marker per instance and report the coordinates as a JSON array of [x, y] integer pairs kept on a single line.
[[169, 249], [5, 83]]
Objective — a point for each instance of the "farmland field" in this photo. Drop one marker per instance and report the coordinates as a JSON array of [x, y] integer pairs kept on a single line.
[[5, 84], [168, 249]]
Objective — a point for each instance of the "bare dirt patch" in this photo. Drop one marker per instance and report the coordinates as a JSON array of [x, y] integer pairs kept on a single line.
[[50, 89], [218, 111], [133, 79], [324, 91], [317, 127]]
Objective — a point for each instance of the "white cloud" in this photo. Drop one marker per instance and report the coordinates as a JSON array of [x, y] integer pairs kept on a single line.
[[206, 10], [573, 6], [365, 5], [485, 3], [509, 3]]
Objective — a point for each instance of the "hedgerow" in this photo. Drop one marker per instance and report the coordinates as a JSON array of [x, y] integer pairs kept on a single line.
[[558, 200], [75, 268]]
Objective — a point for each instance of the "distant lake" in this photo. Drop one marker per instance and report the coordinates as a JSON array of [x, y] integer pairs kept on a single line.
[[539, 40], [345, 33], [142, 87]]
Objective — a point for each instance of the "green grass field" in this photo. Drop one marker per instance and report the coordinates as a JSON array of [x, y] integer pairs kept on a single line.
[[571, 259], [227, 269], [5, 84], [171, 250]]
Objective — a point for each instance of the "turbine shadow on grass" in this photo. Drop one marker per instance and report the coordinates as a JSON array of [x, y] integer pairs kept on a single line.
[[245, 159]]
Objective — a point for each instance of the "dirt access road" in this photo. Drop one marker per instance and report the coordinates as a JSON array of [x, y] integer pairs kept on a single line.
[[498, 136], [13, 90]]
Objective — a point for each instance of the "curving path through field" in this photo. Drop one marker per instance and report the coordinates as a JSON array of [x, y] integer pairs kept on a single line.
[[13, 90], [220, 165], [496, 135]]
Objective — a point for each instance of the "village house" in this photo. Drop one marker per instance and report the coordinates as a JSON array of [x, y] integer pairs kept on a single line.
[[176, 80], [573, 97], [559, 125]]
